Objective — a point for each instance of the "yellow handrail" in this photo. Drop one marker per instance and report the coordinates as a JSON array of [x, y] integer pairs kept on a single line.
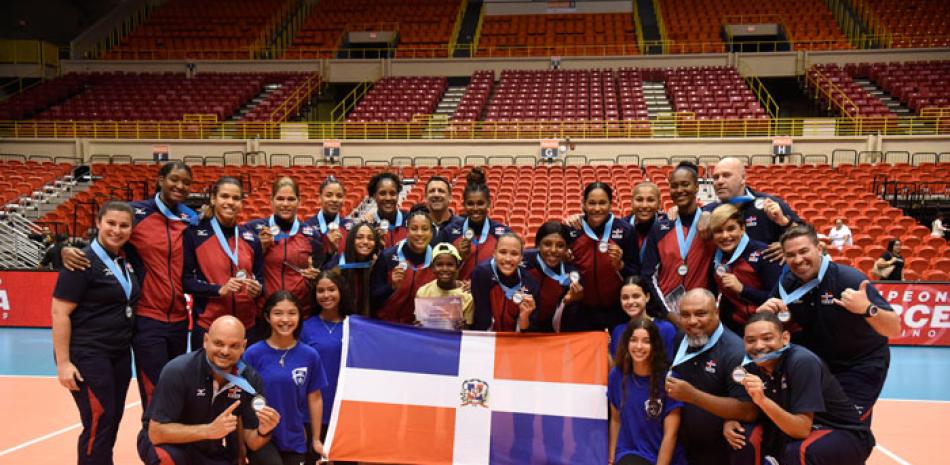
[[817, 80], [338, 113], [478, 31], [638, 27], [758, 88], [453, 37], [293, 101], [660, 26]]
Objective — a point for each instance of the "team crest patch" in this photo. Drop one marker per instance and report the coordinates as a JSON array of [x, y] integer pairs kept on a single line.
[[752, 220], [307, 231], [827, 298], [499, 230], [474, 393], [234, 393], [664, 227], [299, 375], [754, 256], [202, 233], [711, 366], [348, 226], [139, 211], [653, 407], [248, 236], [617, 233]]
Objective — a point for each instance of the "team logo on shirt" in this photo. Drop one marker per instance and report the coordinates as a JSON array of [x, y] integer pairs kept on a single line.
[[140, 211], [474, 393], [307, 231], [258, 227], [754, 256], [827, 298], [751, 221], [299, 375], [456, 230], [348, 226], [499, 230], [653, 407], [617, 233], [201, 392], [573, 233], [664, 227], [234, 393], [202, 233], [711, 366], [248, 236]]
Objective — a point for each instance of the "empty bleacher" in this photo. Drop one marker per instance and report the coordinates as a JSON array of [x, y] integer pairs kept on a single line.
[[399, 99], [917, 85], [912, 23], [558, 34]]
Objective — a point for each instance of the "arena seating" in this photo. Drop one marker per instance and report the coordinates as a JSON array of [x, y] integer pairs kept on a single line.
[[917, 85], [422, 24], [558, 34], [211, 29], [696, 25], [149, 96], [399, 99], [713, 92], [818, 193], [571, 95], [916, 23], [21, 179], [473, 103], [858, 103]]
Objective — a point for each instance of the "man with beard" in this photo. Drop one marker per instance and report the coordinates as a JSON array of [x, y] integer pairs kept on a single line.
[[806, 418], [438, 196], [208, 407], [765, 216], [844, 319], [701, 378]]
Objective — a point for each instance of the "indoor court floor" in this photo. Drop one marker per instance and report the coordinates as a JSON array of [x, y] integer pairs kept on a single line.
[[40, 422]]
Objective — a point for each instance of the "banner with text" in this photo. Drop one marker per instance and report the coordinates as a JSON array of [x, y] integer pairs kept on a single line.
[[924, 310]]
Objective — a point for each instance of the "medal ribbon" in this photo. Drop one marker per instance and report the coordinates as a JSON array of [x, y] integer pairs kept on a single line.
[[122, 276], [740, 200], [223, 241], [686, 243], [402, 257], [717, 258], [608, 226], [806, 287], [236, 380], [394, 225], [293, 229], [192, 217], [683, 357], [765, 358], [562, 278], [509, 291], [484, 235], [349, 266]]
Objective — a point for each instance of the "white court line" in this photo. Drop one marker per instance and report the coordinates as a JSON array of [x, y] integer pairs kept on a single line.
[[892, 455], [54, 434]]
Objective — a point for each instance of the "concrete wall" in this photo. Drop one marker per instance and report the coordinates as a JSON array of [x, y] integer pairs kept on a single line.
[[386, 149]]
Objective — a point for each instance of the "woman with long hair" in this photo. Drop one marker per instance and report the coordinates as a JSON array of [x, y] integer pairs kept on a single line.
[[293, 249], [559, 281], [644, 422], [355, 263], [402, 269], [891, 264], [92, 333], [739, 271], [294, 378], [634, 297], [224, 266], [474, 234], [505, 297], [330, 220]]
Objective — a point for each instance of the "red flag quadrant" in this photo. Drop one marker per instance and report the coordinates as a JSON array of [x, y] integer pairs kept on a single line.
[[924, 311], [424, 396], [26, 298]]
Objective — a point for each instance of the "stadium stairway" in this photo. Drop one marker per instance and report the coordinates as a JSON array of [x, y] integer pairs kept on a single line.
[[251, 104], [650, 25], [884, 97], [659, 109], [468, 29]]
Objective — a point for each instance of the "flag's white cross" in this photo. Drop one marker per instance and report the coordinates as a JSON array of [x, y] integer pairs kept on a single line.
[[473, 422]]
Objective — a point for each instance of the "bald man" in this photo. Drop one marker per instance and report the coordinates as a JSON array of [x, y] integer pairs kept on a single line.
[[202, 399], [765, 219], [701, 378]]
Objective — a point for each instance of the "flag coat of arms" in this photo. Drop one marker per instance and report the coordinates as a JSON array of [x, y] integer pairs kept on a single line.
[[427, 396]]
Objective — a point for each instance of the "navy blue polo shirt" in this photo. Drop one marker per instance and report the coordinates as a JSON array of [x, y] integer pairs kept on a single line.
[[802, 383], [100, 322], [841, 338], [710, 372], [185, 394], [757, 224]]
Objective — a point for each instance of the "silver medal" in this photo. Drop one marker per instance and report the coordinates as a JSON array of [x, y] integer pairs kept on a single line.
[[517, 298], [759, 202], [784, 316], [258, 403], [469, 234], [384, 224], [333, 227], [575, 277], [274, 230], [241, 274], [721, 270], [682, 270], [128, 311], [739, 374], [403, 265], [603, 247]]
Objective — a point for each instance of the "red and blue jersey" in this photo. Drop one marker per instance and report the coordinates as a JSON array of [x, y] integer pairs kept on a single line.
[[398, 304], [550, 290], [344, 225], [661, 258], [453, 233], [397, 230], [207, 267], [284, 260], [494, 310], [758, 277], [757, 224], [601, 281], [155, 251]]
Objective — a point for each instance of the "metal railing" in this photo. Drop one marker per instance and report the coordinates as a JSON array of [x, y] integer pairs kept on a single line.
[[17, 249], [758, 88], [828, 90], [348, 102]]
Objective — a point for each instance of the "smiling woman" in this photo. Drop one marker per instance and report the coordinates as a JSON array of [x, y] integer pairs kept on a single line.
[[402, 269]]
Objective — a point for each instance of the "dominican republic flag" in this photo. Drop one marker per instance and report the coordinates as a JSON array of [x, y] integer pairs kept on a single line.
[[426, 396]]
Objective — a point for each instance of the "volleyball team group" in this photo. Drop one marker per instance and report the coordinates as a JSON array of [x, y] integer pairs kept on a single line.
[[733, 337]]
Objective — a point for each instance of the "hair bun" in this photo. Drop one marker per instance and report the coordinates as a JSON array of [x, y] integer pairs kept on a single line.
[[476, 176]]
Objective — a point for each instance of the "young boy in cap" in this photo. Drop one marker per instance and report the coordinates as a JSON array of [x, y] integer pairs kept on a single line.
[[445, 267]]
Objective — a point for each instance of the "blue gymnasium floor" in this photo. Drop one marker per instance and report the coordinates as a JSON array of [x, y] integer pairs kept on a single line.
[[916, 373]]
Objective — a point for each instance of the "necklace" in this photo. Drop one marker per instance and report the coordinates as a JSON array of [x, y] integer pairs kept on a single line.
[[330, 328], [283, 355], [281, 361]]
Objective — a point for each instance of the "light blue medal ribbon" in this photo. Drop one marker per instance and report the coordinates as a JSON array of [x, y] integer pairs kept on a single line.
[[122, 276], [223, 241], [293, 229], [393, 225], [683, 357], [765, 358], [608, 226], [237, 379], [192, 217], [509, 291], [804, 288], [323, 221], [686, 243], [402, 257], [742, 199], [484, 235], [562, 278], [743, 242], [349, 266]]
